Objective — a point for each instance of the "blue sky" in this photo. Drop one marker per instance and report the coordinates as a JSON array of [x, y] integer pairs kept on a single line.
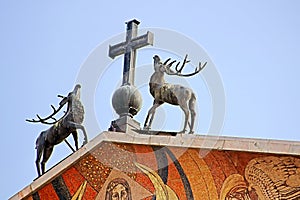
[[254, 46]]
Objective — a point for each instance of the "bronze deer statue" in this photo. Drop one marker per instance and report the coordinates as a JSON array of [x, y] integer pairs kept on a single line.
[[60, 129], [171, 93]]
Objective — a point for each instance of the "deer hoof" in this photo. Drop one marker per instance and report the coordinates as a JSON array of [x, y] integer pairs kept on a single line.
[[84, 142]]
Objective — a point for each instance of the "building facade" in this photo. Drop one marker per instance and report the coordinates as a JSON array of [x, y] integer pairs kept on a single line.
[[134, 166]]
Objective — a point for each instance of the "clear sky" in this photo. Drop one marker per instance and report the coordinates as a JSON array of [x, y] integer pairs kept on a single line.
[[254, 45]]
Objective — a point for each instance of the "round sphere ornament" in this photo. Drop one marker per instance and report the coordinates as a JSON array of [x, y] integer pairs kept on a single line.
[[127, 100]]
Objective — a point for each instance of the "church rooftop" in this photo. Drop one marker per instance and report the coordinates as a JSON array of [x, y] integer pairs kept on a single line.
[[208, 142]]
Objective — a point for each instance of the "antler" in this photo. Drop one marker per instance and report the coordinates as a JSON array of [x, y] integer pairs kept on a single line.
[[179, 69], [183, 64], [55, 111]]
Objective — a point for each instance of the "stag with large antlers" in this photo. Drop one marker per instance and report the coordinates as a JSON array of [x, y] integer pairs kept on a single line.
[[60, 129], [170, 93]]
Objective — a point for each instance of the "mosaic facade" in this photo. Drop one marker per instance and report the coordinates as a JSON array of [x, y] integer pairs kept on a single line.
[[131, 171]]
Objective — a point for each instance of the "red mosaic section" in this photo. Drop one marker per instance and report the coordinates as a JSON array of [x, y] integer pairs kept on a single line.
[[178, 151], [241, 159], [73, 180], [144, 154], [177, 186], [48, 192], [228, 167], [174, 180], [172, 170], [148, 198], [89, 193], [144, 181], [216, 170], [201, 180], [194, 175]]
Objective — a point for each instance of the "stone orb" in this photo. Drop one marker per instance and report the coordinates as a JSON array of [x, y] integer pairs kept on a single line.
[[127, 100]]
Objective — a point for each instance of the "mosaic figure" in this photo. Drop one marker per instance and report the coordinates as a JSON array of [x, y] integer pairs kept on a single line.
[[234, 188], [118, 189], [274, 177]]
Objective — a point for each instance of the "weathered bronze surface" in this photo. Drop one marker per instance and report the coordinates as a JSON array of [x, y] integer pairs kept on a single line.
[[172, 93], [61, 129]]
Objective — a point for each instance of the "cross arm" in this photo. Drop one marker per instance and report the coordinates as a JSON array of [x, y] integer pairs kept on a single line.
[[116, 50], [143, 40], [135, 43]]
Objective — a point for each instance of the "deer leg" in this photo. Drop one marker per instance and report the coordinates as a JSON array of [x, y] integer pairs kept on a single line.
[[186, 113], [75, 137], [39, 145], [148, 115], [81, 127], [146, 121], [39, 151], [193, 113], [151, 113], [46, 155]]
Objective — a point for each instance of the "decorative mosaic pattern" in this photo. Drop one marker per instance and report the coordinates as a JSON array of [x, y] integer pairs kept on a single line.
[[275, 177], [132, 171], [97, 166], [93, 171]]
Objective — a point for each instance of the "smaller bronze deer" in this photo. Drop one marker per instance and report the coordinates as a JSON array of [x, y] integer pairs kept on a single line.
[[60, 129], [171, 93]]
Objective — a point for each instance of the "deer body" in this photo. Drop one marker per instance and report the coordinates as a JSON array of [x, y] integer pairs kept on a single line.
[[171, 93], [61, 129]]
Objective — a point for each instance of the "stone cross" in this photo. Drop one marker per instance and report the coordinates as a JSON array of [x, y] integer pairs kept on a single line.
[[129, 48]]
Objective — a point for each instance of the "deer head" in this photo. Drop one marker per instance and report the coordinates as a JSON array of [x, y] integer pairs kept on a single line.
[[74, 94]]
